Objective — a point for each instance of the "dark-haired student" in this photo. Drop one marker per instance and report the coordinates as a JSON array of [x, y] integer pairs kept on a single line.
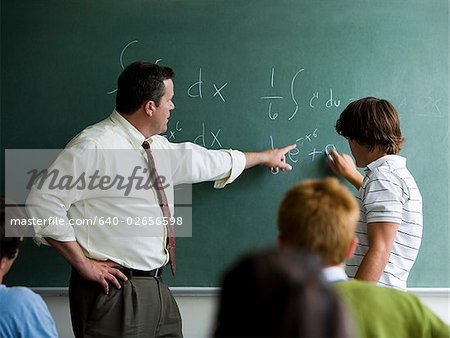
[[23, 313], [279, 294], [390, 225], [319, 216], [116, 288]]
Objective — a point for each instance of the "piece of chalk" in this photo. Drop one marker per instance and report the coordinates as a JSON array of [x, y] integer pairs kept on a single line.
[[328, 148]]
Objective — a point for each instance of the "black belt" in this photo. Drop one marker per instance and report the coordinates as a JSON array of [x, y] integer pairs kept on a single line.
[[141, 273]]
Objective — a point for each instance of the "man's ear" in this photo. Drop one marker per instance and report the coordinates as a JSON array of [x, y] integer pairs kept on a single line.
[[149, 108], [351, 248]]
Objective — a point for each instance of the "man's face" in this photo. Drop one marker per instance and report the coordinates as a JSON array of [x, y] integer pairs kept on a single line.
[[162, 112]]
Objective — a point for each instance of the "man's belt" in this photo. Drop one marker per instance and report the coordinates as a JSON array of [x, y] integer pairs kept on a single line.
[[141, 273]]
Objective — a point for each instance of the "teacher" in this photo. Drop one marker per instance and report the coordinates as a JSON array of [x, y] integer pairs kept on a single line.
[[116, 288]]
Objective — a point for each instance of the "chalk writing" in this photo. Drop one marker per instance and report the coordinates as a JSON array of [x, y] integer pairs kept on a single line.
[[431, 104], [330, 103], [123, 52], [326, 151], [172, 133], [199, 86], [272, 115], [314, 153], [218, 92], [121, 61], [294, 155], [215, 138], [201, 139], [272, 77], [328, 148], [307, 137], [292, 94], [315, 96], [201, 136]]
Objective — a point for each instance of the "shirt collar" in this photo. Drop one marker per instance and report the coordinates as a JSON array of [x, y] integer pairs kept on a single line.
[[334, 274], [395, 161], [135, 136]]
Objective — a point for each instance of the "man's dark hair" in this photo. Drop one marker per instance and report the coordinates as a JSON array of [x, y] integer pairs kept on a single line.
[[372, 122], [9, 246], [139, 82]]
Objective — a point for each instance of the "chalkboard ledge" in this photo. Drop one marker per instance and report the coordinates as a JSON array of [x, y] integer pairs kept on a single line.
[[214, 291]]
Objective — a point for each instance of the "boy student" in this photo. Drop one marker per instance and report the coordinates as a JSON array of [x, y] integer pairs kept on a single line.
[[116, 289], [22, 312], [320, 216], [390, 225]]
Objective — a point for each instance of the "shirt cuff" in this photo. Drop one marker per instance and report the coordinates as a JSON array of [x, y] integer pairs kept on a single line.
[[67, 236], [237, 167]]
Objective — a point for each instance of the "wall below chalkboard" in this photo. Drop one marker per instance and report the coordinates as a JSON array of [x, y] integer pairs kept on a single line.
[[250, 75], [198, 310]]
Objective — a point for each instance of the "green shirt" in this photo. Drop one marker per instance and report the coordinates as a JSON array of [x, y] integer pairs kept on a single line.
[[386, 312]]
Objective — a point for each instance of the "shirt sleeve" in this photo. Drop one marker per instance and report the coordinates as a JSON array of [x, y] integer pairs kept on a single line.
[[384, 198], [431, 324], [192, 163], [237, 167], [57, 189]]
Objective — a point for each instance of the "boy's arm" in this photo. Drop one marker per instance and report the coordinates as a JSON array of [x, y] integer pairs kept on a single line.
[[343, 165], [381, 238]]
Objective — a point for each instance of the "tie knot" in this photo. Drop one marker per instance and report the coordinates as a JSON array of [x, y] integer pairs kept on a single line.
[[146, 145]]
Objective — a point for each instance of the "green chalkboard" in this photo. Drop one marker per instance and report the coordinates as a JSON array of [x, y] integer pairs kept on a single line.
[[249, 75]]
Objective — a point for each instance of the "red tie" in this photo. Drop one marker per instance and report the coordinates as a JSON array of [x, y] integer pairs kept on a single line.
[[162, 199]]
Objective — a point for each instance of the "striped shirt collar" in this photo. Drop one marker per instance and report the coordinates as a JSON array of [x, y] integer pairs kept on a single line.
[[395, 162], [334, 274], [135, 136]]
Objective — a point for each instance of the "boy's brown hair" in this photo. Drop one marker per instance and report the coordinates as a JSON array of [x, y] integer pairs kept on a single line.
[[372, 122], [319, 216]]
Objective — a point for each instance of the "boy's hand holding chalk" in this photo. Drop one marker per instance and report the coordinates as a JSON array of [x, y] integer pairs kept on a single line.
[[328, 150], [343, 165]]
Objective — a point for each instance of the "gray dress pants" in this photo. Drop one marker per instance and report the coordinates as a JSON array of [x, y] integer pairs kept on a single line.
[[143, 307]]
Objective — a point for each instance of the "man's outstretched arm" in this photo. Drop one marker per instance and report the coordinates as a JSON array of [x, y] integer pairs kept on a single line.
[[272, 158]]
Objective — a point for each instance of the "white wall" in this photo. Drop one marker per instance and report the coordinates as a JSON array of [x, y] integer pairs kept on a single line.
[[198, 311]]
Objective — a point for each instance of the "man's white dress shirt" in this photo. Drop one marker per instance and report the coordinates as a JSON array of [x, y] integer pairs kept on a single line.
[[110, 150]]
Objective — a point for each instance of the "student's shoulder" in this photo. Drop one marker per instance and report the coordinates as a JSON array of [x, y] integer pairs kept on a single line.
[[353, 286], [390, 166], [23, 295], [384, 177], [368, 290]]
